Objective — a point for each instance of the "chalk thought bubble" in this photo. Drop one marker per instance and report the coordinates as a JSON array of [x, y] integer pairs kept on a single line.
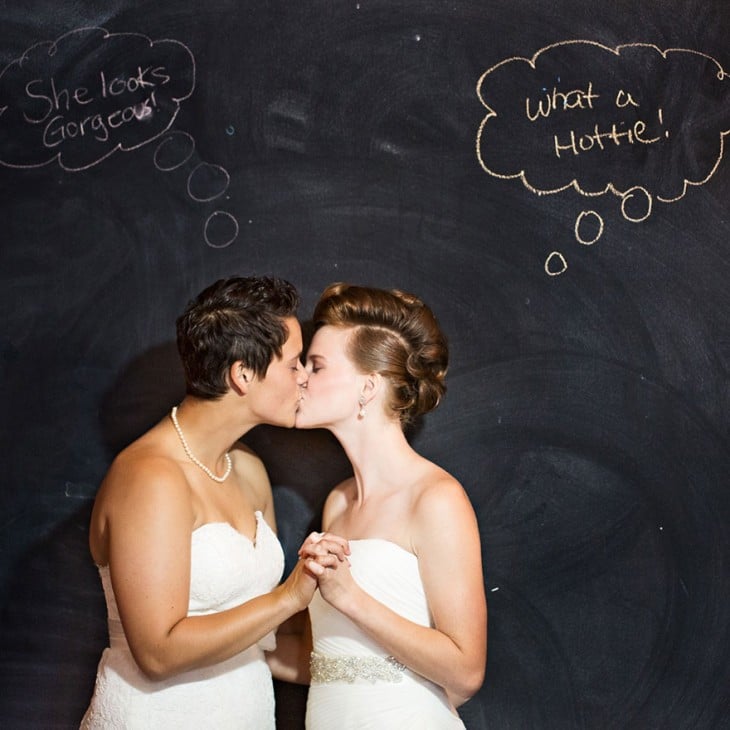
[[636, 121], [89, 93]]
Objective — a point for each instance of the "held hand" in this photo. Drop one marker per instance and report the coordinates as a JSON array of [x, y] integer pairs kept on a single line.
[[337, 585], [320, 544], [302, 582]]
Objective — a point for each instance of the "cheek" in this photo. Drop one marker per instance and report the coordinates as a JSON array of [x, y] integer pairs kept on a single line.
[[318, 386], [286, 388], [328, 393]]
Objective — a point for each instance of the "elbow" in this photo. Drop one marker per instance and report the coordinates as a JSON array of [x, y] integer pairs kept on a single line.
[[154, 666], [468, 683], [473, 682], [159, 656], [155, 671], [471, 678]]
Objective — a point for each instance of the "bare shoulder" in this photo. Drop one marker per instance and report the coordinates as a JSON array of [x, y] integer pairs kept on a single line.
[[441, 505], [142, 472], [337, 502], [143, 488], [435, 483]]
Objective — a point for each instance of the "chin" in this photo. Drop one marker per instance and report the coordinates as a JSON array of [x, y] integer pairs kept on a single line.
[[283, 421], [301, 422]]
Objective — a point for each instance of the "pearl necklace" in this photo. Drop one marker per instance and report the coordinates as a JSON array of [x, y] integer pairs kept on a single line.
[[191, 456]]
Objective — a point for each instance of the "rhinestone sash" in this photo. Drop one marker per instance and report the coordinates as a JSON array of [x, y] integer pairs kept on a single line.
[[326, 669]]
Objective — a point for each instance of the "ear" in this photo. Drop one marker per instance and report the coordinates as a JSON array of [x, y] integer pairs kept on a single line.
[[240, 377], [372, 385]]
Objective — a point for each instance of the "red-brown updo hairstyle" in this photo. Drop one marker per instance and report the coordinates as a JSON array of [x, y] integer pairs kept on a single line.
[[394, 334]]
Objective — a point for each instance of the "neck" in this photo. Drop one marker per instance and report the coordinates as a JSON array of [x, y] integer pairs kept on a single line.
[[211, 427], [378, 451]]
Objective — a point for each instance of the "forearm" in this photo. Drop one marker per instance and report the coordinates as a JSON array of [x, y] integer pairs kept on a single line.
[[200, 641], [425, 650], [289, 662]]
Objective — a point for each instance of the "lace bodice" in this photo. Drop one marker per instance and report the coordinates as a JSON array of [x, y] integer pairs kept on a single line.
[[226, 569]]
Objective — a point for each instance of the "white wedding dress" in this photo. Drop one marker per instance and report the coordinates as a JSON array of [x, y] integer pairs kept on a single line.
[[355, 686], [227, 569]]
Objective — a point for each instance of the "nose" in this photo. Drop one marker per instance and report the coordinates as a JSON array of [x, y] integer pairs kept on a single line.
[[302, 375]]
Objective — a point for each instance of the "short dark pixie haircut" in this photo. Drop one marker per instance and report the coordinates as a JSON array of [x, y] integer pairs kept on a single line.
[[239, 318]]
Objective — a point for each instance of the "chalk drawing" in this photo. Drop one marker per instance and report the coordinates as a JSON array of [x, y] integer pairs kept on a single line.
[[90, 93], [635, 121]]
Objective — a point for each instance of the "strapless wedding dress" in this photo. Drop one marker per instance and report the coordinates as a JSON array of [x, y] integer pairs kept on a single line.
[[355, 685], [227, 569]]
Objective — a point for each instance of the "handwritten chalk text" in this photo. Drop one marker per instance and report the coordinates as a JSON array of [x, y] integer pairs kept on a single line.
[[89, 93], [573, 115], [58, 131], [561, 101], [45, 98], [597, 139]]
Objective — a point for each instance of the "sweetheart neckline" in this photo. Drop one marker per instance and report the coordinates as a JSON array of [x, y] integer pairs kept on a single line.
[[259, 517]]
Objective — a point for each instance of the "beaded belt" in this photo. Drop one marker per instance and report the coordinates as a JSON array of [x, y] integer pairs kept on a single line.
[[349, 668]]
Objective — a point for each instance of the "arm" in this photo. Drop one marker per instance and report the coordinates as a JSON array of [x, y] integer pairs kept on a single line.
[[149, 521], [446, 541], [289, 662]]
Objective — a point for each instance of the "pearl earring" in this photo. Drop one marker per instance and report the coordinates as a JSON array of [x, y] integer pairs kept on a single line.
[[361, 403]]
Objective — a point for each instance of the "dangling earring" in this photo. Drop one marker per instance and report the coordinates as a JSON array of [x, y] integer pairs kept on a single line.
[[361, 403]]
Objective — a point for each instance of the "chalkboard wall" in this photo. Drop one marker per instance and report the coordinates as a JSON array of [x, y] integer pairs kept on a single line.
[[548, 176]]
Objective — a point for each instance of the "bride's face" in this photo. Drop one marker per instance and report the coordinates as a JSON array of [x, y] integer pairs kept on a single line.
[[334, 383]]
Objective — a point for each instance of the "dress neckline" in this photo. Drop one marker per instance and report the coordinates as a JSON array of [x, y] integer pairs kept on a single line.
[[259, 518], [224, 523], [386, 542]]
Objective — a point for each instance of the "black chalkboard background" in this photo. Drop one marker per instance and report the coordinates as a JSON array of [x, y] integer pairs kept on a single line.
[[566, 216]]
